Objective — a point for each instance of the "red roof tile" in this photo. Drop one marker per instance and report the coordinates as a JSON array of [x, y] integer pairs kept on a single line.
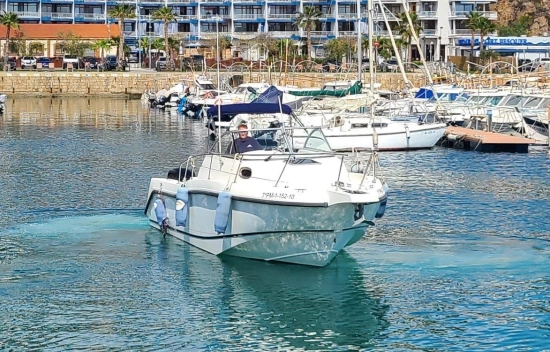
[[52, 31]]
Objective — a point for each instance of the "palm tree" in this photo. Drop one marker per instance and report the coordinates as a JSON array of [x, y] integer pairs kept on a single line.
[[406, 31], [308, 20], [9, 20], [165, 15], [225, 43], [122, 12], [485, 26], [473, 22], [103, 45]]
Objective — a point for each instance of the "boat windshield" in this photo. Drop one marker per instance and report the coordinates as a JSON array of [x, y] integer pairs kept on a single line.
[[276, 136], [532, 102], [493, 101], [207, 86]]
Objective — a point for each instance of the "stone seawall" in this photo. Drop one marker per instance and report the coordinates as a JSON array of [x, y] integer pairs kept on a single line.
[[135, 83]]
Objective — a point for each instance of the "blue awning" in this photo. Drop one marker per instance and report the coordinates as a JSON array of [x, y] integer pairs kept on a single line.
[[250, 108], [519, 50]]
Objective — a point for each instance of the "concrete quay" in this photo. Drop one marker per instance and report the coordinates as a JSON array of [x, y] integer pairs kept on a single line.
[[135, 82]]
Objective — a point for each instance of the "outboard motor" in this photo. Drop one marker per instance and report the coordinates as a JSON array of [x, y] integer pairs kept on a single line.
[[161, 102]]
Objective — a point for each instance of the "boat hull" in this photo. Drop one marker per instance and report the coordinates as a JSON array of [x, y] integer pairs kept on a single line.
[[294, 233], [412, 138]]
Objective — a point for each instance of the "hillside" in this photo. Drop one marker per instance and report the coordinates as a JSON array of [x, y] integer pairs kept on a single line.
[[516, 17]]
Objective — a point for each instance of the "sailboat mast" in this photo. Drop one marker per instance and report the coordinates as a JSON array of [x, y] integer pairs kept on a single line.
[[359, 49], [370, 19]]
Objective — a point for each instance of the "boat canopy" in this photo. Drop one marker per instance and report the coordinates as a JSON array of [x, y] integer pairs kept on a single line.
[[271, 95], [249, 108]]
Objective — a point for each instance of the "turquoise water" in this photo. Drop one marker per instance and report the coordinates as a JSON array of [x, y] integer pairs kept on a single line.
[[460, 261]]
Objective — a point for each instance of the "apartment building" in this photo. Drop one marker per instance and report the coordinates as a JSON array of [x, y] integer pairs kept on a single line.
[[443, 21]]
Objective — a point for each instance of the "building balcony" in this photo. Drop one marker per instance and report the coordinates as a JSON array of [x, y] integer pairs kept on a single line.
[[213, 18], [58, 15], [347, 16], [248, 1], [491, 15], [149, 2], [282, 17], [26, 15], [89, 16], [249, 17], [185, 18], [467, 32], [284, 34], [90, 1], [172, 2], [427, 14], [210, 35], [285, 1], [430, 33]]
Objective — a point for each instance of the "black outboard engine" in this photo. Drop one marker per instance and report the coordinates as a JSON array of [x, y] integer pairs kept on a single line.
[[186, 174], [161, 101]]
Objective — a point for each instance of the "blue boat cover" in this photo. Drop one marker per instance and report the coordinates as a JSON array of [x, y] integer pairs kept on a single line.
[[181, 214], [249, 108], [270, 95], [223, 207], [424, 93]]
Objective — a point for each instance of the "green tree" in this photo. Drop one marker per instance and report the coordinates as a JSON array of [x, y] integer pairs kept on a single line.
[[36, 48], [224, 44], [406, 31], [122, 12], [144, 44], [102, 45], [473, 23], [72, 44], [165, 15], [485, 27], [308, 20], [516, 29], [173, 46], [8, 20], [335, 49]]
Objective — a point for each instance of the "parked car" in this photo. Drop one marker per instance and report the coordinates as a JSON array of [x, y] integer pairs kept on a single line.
[[389, 65], [45, 61], [109, 63], [28, 61], [12, 64], [71, 59], [163, 64], [91, 62]]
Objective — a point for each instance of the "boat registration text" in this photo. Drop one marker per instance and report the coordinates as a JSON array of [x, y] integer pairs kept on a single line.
[[278, 195]]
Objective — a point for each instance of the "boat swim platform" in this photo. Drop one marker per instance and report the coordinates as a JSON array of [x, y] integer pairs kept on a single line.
[[485, 142]]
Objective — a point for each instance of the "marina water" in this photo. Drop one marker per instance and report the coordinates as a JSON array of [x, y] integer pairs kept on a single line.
[[460, 261]]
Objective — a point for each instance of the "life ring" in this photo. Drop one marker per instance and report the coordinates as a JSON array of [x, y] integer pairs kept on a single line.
[[209, 95]]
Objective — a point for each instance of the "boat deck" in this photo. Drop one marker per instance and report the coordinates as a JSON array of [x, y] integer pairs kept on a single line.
[[482, 141]]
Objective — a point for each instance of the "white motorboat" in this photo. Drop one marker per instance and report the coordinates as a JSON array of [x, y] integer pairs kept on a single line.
[[271, 204], [349, 131]]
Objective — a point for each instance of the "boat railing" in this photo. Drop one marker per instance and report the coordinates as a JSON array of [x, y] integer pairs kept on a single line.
[[189, 167]]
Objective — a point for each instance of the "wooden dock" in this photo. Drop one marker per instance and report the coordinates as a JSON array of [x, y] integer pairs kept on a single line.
[[486, 142]]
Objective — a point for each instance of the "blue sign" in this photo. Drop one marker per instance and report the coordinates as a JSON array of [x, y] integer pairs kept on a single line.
[[507, 41]]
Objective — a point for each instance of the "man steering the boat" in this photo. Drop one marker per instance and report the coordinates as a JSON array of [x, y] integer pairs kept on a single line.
[[244, 143]]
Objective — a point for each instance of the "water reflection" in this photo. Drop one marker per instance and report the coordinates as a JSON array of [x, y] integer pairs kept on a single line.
[[303, 307], [80, 111]]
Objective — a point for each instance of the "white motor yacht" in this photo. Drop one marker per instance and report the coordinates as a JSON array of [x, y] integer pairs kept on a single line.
[[270, 204]]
